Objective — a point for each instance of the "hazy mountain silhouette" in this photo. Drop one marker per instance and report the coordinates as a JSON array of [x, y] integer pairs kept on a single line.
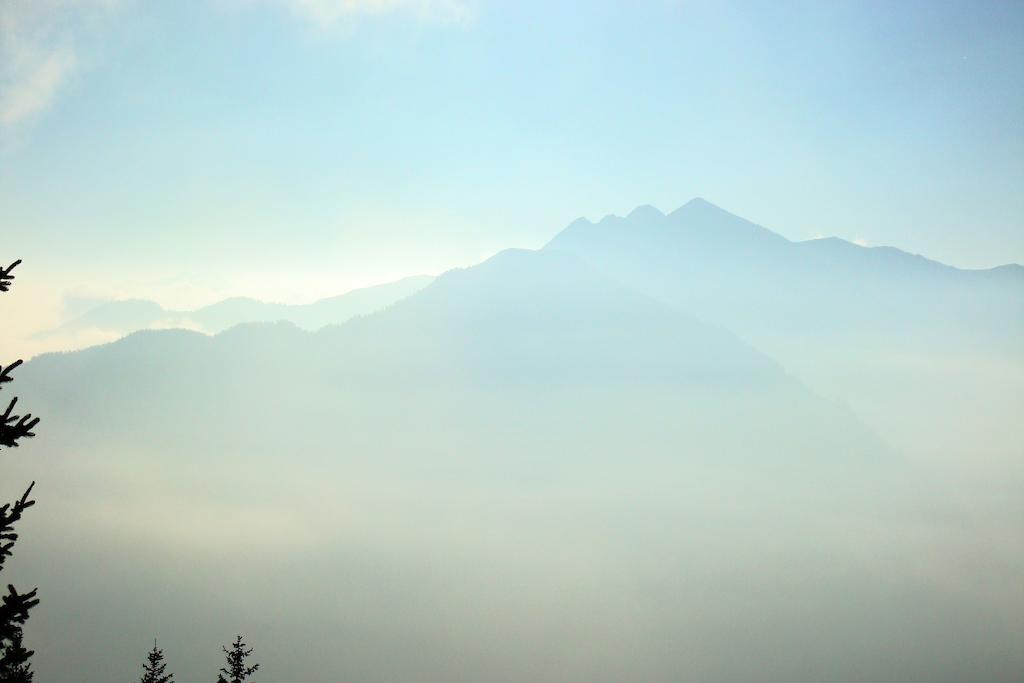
[[131, 315], [728, 270], [498, 340], [928, 354], [546, 460]]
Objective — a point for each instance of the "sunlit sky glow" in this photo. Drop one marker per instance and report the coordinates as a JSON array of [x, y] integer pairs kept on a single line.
[[291, 149]]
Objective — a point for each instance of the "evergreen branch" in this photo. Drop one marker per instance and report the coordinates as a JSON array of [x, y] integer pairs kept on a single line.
[[14, 666], [14, 427], [5, 373], [5, 276], [10, 514], [15, 606]]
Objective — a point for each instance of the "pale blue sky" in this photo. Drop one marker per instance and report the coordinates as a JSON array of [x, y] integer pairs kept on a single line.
[[304, 146]]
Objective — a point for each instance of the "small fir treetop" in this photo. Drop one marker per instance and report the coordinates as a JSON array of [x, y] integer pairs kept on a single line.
[[236, 670], [153, 669]]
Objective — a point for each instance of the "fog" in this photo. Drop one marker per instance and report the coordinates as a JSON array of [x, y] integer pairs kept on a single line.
[[542, 468]]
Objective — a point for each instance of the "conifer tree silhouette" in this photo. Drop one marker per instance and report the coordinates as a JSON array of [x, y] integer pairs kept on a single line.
[[237, 670], [153, 669], [14, 606]]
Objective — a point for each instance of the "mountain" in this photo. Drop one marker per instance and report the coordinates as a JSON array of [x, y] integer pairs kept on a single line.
[[928, 354], [331, 311], [130, 315], [730, 271], [544, 460], [520, 331]]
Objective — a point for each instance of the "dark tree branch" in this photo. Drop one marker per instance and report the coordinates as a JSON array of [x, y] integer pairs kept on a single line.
[[14, 666], [6, 279], [14, 427], [10, 514], [5, 373], [14, 606]]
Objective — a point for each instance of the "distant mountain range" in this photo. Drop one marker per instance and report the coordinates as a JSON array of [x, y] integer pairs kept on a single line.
[[526, 335], [900, 338], [684, 432], [727, 270], [130, 315], [705, 261], [645, 296]]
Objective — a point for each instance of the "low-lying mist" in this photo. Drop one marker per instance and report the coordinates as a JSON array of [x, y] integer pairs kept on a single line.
[[531, 470]]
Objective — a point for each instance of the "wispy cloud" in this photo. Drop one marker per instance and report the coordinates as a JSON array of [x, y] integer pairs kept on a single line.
[[39, 39], [328, 13], [38, 52], [31, 85]]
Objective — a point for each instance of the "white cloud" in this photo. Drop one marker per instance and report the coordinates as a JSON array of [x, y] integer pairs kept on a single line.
[[328, 13], [39, 39], [37, 52], [32, 88]]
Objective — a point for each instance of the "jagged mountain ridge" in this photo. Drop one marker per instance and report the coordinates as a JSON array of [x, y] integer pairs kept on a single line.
[[733, 272], [911, 344]]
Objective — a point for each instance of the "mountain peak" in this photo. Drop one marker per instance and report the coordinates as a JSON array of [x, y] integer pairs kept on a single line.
[[700, 201], [697, 219], [645, 212], [703, 216], [701, 206]]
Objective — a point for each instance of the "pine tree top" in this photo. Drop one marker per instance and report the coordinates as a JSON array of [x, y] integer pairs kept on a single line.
[[236, 670], [153, 669]]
